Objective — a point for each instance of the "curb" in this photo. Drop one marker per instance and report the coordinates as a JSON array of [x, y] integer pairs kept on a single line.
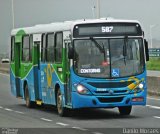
[[153, 93]]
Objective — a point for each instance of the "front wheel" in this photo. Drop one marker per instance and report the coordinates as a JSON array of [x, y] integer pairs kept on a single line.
[[125, 110], [61, 110]]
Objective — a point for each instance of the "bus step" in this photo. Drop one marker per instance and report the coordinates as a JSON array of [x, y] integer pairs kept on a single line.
[[19, 97], [38, 102], [68, 106]]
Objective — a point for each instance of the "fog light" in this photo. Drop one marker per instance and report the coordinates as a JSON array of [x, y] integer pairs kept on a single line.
[[140, 85], [137, 99]]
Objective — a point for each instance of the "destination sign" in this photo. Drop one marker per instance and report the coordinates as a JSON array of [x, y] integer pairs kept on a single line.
[[107, 29]]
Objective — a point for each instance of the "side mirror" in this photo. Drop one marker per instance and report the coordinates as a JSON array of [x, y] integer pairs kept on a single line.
[[146, 50], [70, 52]]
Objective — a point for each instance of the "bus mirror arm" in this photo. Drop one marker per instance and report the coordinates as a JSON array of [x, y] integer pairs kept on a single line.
[[146, 49]]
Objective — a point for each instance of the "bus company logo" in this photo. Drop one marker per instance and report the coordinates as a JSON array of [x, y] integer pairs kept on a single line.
[[101, 89], [111, 92], [49, 70]]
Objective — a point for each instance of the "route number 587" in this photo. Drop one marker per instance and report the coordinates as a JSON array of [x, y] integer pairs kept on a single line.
[[107, 29]]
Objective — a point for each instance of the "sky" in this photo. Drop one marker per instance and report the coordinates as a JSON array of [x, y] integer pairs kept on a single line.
[[32, 12]]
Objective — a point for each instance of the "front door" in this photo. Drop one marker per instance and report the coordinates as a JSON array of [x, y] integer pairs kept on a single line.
[[36, 65], [68, 88]]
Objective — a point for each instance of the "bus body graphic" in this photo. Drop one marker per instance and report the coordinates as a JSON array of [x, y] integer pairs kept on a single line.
[[80, 64]]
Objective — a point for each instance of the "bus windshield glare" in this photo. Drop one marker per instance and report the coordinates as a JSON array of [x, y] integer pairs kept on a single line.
[[91, 62]]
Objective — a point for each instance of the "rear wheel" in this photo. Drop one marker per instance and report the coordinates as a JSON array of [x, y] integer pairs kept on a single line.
[[61, 110], [125, 110], [29, 103]]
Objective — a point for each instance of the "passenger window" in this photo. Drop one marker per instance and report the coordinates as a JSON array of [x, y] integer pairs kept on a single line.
[[12, 47], [25, 49], [43, 48], [50, 47], [30, 47], [58, 47]]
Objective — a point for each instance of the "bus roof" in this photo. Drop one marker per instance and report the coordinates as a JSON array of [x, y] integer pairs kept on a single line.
[[66, 25]]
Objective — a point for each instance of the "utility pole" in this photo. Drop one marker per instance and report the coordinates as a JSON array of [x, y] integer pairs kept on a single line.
[[13, 24], [93, 12], [98, 9]]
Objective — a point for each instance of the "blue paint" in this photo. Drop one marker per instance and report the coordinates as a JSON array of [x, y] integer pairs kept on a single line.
[[115, 72], [47, 94]]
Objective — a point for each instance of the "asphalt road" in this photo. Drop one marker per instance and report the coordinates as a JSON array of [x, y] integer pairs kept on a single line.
[[153, 73], [14, 114]]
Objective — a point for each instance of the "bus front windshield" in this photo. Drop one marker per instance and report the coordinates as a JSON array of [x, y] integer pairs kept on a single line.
[[108, 58]]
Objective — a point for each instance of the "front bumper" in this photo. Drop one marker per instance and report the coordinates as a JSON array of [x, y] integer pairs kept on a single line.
[[92, 101]]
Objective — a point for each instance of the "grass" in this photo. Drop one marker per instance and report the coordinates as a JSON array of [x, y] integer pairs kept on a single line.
[[153, 64]]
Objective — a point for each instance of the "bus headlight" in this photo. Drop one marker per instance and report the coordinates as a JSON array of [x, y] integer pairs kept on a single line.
[[141, 86], [82, 90]]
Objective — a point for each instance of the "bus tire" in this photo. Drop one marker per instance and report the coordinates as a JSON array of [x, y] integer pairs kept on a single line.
[[125, 110], [29, 103], [61, 110]]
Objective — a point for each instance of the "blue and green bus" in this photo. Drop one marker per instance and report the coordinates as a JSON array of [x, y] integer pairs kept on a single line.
[[99, 63]]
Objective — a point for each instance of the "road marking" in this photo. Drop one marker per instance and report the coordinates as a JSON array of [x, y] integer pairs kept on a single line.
[[82, 129], [152, 98], [19, 112], [4, 74], [7, 109], [155, 107], [62, 124], [46, 119], [97, 133], [156, 117]]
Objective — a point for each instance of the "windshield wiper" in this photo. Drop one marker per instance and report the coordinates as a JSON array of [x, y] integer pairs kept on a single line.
[[125, 48], [102, 50]]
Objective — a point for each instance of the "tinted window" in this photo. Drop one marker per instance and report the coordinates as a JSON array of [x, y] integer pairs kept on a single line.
[[30, 47], [43, 48], [12, 48], [50, 47], [25, 49], [58, 47]]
